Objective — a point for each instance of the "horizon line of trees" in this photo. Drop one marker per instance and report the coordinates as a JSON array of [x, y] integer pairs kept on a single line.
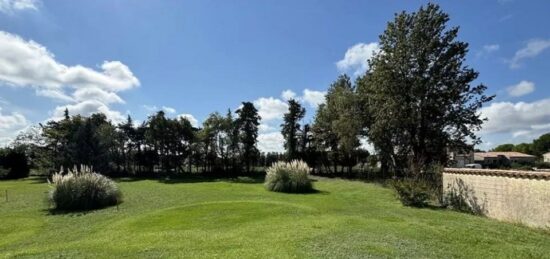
[[224, 144], [415, 101], [537, 147]]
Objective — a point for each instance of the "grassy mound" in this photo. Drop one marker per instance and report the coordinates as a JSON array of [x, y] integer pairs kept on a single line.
[[225, 219]]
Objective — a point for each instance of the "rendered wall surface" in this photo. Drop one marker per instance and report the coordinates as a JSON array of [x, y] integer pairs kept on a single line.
[[513, 196]]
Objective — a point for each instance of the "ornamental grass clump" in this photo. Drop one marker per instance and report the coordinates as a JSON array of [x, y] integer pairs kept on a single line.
[[83, 190], [288, 177]]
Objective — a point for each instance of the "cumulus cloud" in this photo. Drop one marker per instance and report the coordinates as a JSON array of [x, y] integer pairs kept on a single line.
[[168, 109], [154, 109], [532, 49], [29, 64], [356, 57], [314, 98], [25, 63], [87, 108], [264, 127], [271, 142], [520, 89], [288, 94], [272, 111], [10, 125], [194, 122], [55, 94], [12, 6], [97, 94], [528, 119], [270, 108]]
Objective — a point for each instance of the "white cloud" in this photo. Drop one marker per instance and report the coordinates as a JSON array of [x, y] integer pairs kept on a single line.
[[488, 49], [356, 58], [97, 94], [264, 128], [271, 142], [168, 109], [288, 94], [28, 64], [150, 108], [10, 125], [272, 111], [12, 6], [491, 48], [310, 97], [532, 49], [54, 93], [270, 108], [153, 109], [526, 119], [194, 122], [87, 108], [520, 89], [314, 98]]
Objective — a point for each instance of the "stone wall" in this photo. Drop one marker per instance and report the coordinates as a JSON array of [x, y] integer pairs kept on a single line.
[[513, 196]]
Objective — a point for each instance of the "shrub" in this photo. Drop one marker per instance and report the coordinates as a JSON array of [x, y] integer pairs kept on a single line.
[[83, 190], [416, 193], [461, 197], [288, 177]]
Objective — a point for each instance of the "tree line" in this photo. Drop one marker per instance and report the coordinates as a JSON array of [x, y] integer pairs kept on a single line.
[[415, 101], [537, 147], [224, 144]]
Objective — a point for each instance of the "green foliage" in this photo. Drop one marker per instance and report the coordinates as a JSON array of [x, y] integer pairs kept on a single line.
[[288, 177], [525, 148], [13, 163], [337, 126], [415, 193], [462, 198], [247, 125], [418, 94], [541, 145], [291, 127], [504, 148], [83, 190]]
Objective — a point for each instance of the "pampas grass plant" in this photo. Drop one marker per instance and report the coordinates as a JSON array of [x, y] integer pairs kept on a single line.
[[288, 177], [83, 190]]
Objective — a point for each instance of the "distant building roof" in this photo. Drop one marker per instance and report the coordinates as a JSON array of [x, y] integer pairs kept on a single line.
[[506, 154]]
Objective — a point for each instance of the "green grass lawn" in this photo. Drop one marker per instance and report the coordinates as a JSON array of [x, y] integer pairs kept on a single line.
[[344, 219]]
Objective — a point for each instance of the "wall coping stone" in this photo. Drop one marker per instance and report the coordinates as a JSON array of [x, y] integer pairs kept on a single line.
[[502, 173]]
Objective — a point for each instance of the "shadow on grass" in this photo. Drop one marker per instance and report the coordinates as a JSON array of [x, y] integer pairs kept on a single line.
[[203, 178], [78, 212], [312, 191], [38, 180]]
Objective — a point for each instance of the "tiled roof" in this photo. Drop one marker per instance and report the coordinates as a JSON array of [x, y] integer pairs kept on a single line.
[[494, 172], [506, 154]]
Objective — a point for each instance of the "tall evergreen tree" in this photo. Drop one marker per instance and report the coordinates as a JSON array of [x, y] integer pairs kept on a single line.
[[247, 123], [291, 128], [417, 92]]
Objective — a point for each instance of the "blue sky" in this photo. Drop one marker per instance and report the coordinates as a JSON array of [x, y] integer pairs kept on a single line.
[[196, 57]]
